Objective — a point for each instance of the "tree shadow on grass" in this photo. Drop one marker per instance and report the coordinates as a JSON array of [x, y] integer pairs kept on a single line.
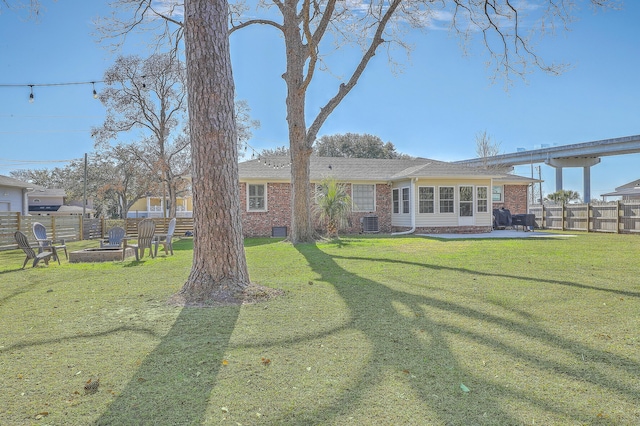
[[435, 366], [173, 385]]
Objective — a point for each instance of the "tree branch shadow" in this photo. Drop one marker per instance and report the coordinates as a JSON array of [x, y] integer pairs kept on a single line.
[[367, 299], [174, 382]]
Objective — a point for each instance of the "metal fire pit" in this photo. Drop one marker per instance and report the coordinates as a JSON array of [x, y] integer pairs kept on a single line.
[[100, 255]]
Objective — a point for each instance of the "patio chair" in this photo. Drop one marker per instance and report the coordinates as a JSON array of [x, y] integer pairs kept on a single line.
[[166, 239], [46, 244], [23, 243], [114, 238], [146, 230]]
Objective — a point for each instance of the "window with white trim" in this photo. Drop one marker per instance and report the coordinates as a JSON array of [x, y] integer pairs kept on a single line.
[[496, 193], [256, 197], [447, 194], [426, 199], [482, 200], [405, 200], [396, 200], [363, 197], [465, 201]]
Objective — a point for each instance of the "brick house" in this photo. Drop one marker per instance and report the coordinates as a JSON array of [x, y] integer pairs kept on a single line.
[[389, 195]]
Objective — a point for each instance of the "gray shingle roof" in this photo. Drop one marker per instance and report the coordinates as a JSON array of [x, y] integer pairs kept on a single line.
[[15, 183], [366, 169]]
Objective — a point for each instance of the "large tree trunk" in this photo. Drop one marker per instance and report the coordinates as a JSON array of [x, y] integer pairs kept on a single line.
[[219, 272], [301, 224]]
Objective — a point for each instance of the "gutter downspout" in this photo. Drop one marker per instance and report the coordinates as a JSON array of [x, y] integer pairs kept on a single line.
[[412, 210], [25, 200]]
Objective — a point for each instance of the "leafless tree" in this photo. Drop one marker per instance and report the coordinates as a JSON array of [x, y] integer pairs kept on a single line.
[[148, 96], [31, 8], [312, 31], [486, 147]]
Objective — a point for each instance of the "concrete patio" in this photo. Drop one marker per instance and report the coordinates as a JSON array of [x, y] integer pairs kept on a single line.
[[500, 233]]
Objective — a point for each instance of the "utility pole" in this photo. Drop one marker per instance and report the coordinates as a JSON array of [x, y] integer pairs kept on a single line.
[[84, 202], [540, 182]]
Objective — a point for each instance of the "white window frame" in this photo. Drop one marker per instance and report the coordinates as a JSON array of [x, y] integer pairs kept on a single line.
[[451, 200], [395, 200], [355, 206], [264, 186], [499, 191], [482, 200], [406, 202], [465, 205], [432, 200]]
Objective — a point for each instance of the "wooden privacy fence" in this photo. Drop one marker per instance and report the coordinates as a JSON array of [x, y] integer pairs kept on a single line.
[[74, 228], [622, 217]]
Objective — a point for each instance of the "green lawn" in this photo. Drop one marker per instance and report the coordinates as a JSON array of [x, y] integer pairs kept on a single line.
[[371, 330]]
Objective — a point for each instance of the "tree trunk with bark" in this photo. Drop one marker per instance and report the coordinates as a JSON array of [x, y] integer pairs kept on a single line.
[[297, 54], [219, 273]]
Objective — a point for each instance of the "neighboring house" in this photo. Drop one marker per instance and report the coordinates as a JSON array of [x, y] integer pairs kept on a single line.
[[152, 206], [46, 201], [627, 192], [14, 195], [389, 195]]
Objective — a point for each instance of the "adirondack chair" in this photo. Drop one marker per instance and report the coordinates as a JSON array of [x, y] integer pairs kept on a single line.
[[114, 238], [146, 230], [23, 243], [166, 239], [46, 244]]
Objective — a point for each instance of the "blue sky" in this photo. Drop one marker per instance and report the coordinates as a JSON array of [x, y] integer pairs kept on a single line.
[[434, 108]]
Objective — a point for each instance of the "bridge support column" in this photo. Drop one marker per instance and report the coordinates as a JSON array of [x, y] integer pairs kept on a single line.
[[585, 163], [586, 184], [558, 179]]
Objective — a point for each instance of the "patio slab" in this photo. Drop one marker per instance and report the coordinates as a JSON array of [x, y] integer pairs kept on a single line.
[[500, 233], [99, 255]]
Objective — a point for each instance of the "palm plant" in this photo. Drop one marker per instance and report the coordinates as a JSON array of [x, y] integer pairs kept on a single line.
[[564, 196], [333, 204]]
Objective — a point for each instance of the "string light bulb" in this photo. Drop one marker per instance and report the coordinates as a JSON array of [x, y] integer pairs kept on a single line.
[[95, 94], [31, 97]]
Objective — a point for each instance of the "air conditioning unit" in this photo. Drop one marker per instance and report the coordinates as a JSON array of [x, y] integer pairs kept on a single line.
[[369, 224]]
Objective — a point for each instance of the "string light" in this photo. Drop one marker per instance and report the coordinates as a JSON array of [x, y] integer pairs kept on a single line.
[[31, 86], [255, 155]]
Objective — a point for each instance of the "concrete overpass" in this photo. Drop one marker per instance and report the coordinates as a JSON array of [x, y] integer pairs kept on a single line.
[[583, 155]]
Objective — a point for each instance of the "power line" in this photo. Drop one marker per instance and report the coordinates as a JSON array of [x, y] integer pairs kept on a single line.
[[73, 83], [3, 160]]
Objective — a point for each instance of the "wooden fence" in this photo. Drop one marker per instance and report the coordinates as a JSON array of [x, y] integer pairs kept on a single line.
[[73, 228], [622, 217]]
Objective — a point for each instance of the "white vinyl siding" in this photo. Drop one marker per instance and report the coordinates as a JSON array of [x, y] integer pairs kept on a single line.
[[451, 191]]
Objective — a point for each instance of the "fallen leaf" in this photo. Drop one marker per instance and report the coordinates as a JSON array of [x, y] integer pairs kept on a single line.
[[266, 361], [41, 415], [405, 371]]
